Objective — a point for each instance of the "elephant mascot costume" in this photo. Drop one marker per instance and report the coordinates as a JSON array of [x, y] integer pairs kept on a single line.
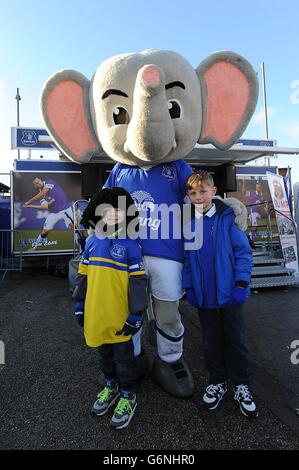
[[147, 111]]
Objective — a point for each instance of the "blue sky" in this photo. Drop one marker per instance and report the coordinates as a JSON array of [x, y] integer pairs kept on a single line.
[[38, 38]]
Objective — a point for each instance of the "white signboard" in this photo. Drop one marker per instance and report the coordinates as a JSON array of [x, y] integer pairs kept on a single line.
[[285, 227]]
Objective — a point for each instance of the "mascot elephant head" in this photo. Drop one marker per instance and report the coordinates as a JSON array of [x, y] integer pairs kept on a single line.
[[150, 107]]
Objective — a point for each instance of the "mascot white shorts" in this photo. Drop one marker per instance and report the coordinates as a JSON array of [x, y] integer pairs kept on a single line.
[[165, 278]]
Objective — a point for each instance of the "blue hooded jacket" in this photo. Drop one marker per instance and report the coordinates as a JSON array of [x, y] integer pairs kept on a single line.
[[232, 257]]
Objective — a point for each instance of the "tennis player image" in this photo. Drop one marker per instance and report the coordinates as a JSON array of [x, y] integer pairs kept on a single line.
[[52, 198]]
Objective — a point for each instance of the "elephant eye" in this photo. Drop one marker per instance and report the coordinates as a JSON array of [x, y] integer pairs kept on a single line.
[[120, 116], [174, 109]]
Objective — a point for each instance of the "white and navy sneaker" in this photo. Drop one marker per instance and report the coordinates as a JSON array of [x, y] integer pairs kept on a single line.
[[245, 399], [213, 395]]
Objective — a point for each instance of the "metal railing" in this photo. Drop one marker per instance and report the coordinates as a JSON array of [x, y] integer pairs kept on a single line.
[[270, 211], [269, 234], [288, 218], [8, 260], [78, 233]]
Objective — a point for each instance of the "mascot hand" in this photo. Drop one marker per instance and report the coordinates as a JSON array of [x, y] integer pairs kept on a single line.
[[79, 312], [132, 325], [239, 210]]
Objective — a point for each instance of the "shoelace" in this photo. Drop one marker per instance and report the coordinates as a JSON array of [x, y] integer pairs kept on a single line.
[[243, 391], [105, 394], [219, 388], [123, 405]]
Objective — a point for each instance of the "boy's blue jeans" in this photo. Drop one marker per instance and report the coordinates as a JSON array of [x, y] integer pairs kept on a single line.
[[117, 363], [225, 344]]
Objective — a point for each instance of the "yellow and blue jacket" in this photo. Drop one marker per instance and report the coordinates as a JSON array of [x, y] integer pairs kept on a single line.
[[112, 283]]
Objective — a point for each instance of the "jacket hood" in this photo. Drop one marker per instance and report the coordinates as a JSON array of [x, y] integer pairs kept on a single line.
[[221, 207]]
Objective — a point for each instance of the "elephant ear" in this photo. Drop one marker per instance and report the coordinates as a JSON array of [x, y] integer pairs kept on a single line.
[[229, 87], [66, 112]]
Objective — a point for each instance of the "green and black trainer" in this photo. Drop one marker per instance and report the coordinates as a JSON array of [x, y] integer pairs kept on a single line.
[[124, 411], [106, 398]]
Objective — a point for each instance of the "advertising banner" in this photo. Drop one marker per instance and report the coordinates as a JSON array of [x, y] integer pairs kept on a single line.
[[285, 227], [287, 178], [253, 191], [43, 211], [296, 203]]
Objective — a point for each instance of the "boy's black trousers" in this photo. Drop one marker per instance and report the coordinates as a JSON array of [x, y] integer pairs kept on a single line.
[[225, 345], [117, 362]]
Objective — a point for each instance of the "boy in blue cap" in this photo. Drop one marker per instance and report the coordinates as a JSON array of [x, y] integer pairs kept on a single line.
[[216, 278]]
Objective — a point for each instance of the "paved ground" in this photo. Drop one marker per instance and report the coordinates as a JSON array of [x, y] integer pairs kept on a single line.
[[50, 380]]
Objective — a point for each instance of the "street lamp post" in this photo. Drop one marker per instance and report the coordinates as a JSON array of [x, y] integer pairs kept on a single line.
[[267, 159], [18, 98]]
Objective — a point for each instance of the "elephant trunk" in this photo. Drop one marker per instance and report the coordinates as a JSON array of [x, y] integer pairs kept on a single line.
[[150, 134]]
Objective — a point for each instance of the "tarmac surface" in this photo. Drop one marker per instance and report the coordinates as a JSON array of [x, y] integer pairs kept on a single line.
[[50, 379]]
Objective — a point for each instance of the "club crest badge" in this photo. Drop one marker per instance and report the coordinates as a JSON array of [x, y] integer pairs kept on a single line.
[[168, 171], [118, 251]]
